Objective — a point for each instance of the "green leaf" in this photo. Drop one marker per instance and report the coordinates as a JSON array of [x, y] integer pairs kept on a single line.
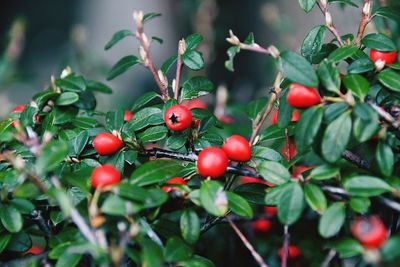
[[366, 123], [232, 51], [155, 171], [357, 84], [390, 249], [342, 53], [360, 204], [176, 142], [379, 42], [190, 226], [118, 36], [213, 198], [307, 127], [298, 69], [361, 65], [68, 259], [307, 5], [315, 198], [152, 254], [51, 155], [67, 98], [153, 134], [197, 261], [196, 87], [366, 186], [343, 2], [265, 153], [324, 172], [336, 137], [329, 76], [22, 205], [4, 240], [117, 206], [239, 205], [19, 242], [193, 60], [115, 119], [146, 117], [332, 220], [253, 192], [273, 172], [348, 248], [176, 250], [385, 158], [313, 42], [122, 66], [387, 12], [165, 67], [72, 83], [98, 87], [150, 16], [390, 79], [143, 100], [274, 132], [193, 40], [291, 204], [255, 107], [11, 218]]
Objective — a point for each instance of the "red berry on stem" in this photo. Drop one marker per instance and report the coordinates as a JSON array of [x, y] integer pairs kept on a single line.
[[237, 148], [300, 96], [387, 57], [173, 181], [178, 118], [293, 252], [106, 143], [128, 115], [270, 210], [261, 226], [371, 232], [274, 117], [212, 161], [105, 175]]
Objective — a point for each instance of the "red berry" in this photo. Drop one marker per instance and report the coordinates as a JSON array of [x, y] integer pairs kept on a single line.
[[225, 119], [173, 181], [128, 115], [105, 175], [300, 96], [237, 148], [195, 103], [371, 232], [212, 161], [270, 210], [261, 226], [34, 250], [293, 252], [388, 57], [18, 109], [274, 117], [292, 150], [178, 118], [106, 143]]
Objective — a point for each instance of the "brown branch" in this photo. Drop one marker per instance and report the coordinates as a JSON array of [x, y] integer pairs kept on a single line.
[[364, 20], [181, 50], [385, 115], [285, 246], [253, 252], [328, 21]]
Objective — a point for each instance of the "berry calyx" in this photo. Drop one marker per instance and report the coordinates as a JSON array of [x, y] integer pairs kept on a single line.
[[106, 143], [261, 226], [387, 57], [237, 148], [293, 252], [289, 150], [274, 117], [105, 175], [370, 232], [128, 115], [173, 181], [178, 118], [212, 162], [300, 96]]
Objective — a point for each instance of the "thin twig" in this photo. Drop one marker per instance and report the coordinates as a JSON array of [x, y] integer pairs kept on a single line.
[[36, 216], [181, 49], [364, 20], [253, 252], [385, 115], [332, 253], [285, 251], [328, 21], [355, 159]]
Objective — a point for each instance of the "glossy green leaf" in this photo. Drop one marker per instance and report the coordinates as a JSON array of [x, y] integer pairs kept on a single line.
[[143, 100], [315, 198], [361, 65], [324, 172], [332, 220], [176, 250], [195, 87], [153, 134], [146, 117], [122, 66], [193, 60], [297, 69], [155, 171], [343, 53], [329, 76], [348, 248], [239, 205], [291, 204], [72, 83], [390, 79], [150, 16], [273, 172], [232, 51], [193, 41], [378, 42], [67, 98], [307, 127], [366, 186], [265, 153], [118, 36], [11, 218], [357, 84], [384, 156], [213, 198], [98, 87], [360, 204], [253, 192], [51, 155], [190, 226], [307, 5], [313, 42]]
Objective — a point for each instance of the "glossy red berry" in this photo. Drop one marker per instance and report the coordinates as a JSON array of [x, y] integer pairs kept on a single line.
[[289, 150], [18, 108], [105, 175], [195, 103], [225, 119], [300, 96], [261, 226], [274, 117], [237, 148], [270, 210], [34, 250], [106, 143], [371, 232], [128, 115], [173, 181], [293, 252], [178, 118], [388, 57], [212, 161]]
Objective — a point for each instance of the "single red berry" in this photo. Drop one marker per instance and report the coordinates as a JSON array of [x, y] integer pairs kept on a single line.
[[237, 148], [261, 226], [34, 250], [106, 143], [128, 115], [293, 252], [173, 181], [18, 109], [225, 119], [300, 96], [105, 175], [371, 232], [270, 210], [274, 117], [178, 118], [289, 150], [212, 161], [195, 103], [387, 57]]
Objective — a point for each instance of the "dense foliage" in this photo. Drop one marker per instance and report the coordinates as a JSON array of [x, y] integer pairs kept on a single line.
[[145, 186]]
